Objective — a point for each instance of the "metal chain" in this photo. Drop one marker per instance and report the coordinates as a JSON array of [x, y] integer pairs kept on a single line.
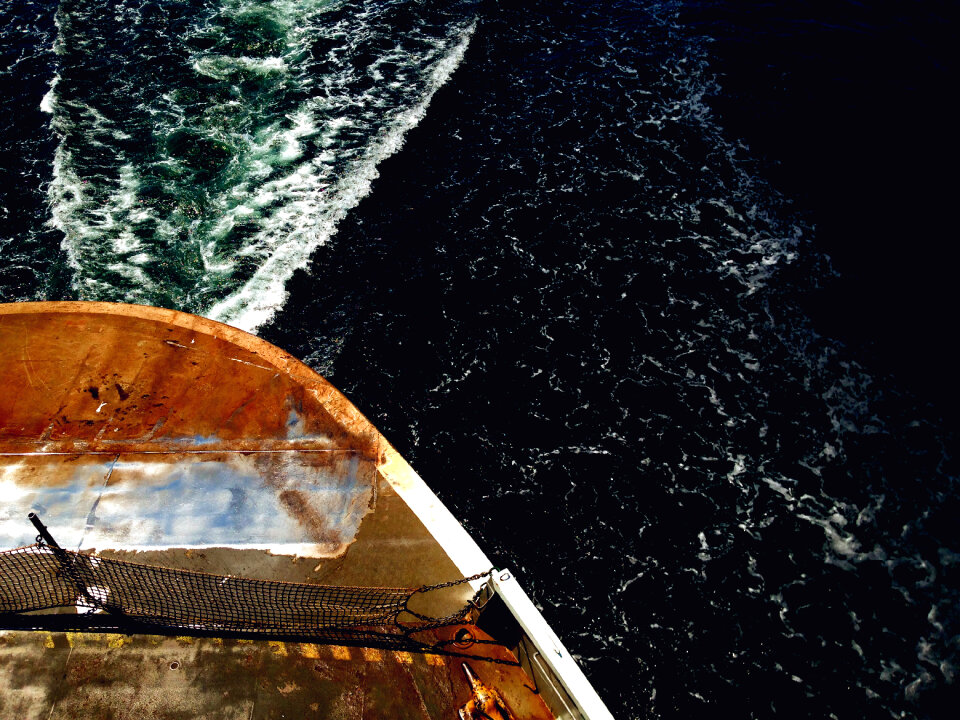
[[433, 623], [453, 583]]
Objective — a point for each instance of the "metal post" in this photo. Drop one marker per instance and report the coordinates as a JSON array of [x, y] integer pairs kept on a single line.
[[61, 555], [44, 533], [68, 567]]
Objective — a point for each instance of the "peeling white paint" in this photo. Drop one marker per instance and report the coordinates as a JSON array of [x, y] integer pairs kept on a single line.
[[224, 500]]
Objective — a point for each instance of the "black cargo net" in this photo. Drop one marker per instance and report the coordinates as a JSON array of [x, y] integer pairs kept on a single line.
[[136, 596]]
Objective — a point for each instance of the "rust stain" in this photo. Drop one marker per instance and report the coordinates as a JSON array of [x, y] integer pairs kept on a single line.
[[278, 647], [313, 522], [331, 515], [28, 364], [230, 385], [485, 702], [421, 700]]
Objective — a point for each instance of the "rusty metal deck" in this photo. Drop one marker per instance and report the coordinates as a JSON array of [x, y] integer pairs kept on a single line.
[[52, 676], [168, 439], [178, 441]]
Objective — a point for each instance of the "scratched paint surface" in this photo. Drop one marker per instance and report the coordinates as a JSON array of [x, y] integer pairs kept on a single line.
[[149, 430], [94, 381]]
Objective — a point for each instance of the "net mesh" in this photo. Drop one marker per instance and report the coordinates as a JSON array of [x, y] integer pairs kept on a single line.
[[40, 577]]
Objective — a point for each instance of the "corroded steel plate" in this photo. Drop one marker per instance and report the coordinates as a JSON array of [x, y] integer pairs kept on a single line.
[[168, 439]]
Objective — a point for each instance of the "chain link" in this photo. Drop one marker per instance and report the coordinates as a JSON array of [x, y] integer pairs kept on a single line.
[[432, 623]]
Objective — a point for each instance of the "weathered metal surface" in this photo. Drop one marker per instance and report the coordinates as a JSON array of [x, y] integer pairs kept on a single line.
[[143, 429], [485, 702], [98, 377], [71, 675], [142, 432], [292, 502], [189, 443]]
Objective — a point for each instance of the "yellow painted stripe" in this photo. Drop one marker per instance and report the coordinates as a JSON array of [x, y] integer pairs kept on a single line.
[[371, 654], [340, 652], [278, 648]]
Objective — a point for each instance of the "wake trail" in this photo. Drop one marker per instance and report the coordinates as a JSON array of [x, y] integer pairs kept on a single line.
[[205, 152], [265, 293]]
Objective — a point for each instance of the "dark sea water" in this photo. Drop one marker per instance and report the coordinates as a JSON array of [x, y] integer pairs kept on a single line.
[[657, 296]]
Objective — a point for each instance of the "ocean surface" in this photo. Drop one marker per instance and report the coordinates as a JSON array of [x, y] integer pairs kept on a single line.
[[657, 296]]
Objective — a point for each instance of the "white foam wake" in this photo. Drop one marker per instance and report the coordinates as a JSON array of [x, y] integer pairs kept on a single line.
[[205, 186], [265, 292]]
